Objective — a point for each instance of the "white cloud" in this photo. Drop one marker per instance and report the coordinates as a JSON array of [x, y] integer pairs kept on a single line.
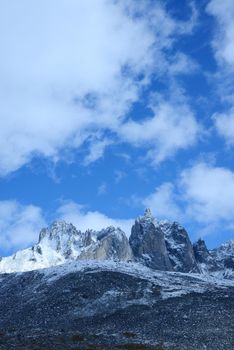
[[172, 127], [19, 225], [119, 175], [83, 219], [163, 202], [202, 194], [224, 123], [182, 64], [71, 69], [209, 192], [223, 44], [96, 150]]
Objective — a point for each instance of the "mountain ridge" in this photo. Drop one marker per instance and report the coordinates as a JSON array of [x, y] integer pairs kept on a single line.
[[102, 291], [160, 245]]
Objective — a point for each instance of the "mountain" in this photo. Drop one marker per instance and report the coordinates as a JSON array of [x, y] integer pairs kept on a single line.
[[148, 243], [160, 245], [224, 255], [108, 244], [224, 258], [205, 260], [62, 242], [179, 247], [100, 290], [109, 305]]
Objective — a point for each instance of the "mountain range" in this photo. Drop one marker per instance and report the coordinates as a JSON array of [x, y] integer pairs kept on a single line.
[[102, 290], [159, 245]]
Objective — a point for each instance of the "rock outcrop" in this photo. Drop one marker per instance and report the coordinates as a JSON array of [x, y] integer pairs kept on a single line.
[[111, 244], [201, 252], [179, 247], [224, 255], [205, 260], [148, 243]]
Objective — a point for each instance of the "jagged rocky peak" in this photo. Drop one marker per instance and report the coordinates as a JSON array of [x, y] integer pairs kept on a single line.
[[179, 247], [111, 244], [148, 243], [64, 238], [148, 214], [224, 255], [58, 230], [205, 260], [160, 245], [110, 231], [201, 252], [226, 248], [62, 242]]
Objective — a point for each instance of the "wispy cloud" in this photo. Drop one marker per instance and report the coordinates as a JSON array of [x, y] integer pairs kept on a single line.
[[102, 189], [119, 175]]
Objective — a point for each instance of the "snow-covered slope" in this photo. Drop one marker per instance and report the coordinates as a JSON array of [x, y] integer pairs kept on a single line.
[[114, 305]]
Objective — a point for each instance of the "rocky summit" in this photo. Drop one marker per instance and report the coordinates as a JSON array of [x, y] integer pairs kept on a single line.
[[148, 243], [103, 290]]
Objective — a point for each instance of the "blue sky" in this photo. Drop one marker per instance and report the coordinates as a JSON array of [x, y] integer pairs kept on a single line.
[[108, 107]]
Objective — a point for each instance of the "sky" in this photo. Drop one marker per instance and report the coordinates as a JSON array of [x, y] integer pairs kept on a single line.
[[108, 107]]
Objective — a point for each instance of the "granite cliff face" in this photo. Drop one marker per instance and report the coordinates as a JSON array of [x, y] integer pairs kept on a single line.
[[201, 252], [109, 244], [224, 255], [179, 247], [219, 261], [162, 245], [204, 258], [148, 243]]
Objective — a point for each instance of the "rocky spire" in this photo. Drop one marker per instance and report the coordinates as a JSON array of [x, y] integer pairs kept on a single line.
[[148, 213], [148, 244], [201, 252]]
